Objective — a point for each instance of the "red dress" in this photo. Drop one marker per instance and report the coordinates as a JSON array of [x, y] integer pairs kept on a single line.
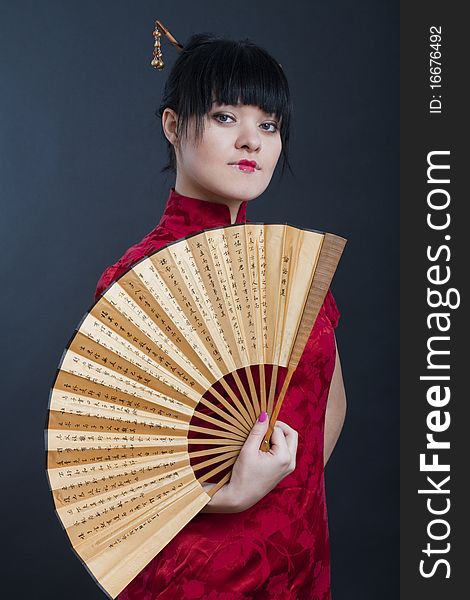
[[278, 548]]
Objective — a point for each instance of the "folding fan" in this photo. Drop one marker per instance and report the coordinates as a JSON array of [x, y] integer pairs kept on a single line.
[[165, 376]]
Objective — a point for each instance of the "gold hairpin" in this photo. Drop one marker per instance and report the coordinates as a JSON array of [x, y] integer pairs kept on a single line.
[[157, 61]]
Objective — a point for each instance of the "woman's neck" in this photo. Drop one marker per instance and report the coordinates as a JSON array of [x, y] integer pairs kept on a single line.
[[185, 189]]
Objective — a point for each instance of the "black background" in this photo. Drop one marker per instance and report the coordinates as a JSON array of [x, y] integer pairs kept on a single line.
[[81, 152]]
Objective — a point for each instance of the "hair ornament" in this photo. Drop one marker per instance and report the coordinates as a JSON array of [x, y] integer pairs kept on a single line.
[[157, 61]]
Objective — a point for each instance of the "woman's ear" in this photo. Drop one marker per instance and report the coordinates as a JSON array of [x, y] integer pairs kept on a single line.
[[169, 124]]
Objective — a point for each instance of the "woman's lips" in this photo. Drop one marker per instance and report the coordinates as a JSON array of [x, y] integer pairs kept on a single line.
[[245, 168]]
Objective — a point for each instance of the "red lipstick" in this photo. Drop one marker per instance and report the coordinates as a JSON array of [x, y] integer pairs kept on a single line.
[[249, 166]]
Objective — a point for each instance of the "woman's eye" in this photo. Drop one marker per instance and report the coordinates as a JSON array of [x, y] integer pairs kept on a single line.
[[273, 125], [223, 117]]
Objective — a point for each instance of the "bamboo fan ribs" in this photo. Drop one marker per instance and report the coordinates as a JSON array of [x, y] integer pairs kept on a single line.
[[164, 378]]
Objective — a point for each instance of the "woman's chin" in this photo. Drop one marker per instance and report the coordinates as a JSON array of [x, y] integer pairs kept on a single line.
[[243, 191]]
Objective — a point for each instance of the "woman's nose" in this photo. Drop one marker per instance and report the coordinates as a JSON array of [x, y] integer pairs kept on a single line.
[[249, 138]]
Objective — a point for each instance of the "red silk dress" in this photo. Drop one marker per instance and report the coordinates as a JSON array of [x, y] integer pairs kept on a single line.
[[278, 548]]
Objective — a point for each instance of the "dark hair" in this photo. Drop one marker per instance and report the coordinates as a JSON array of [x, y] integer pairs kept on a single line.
[[211, 67]]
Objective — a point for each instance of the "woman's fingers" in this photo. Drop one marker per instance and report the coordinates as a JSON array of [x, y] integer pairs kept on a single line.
[[290, 435], [256, 435], [285, 427], [284, 443], [278, 440]]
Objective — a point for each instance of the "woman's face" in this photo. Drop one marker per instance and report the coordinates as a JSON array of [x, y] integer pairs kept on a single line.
[[231, 133]]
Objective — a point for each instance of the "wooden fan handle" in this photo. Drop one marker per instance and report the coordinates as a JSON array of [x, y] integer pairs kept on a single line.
[[265, 444]]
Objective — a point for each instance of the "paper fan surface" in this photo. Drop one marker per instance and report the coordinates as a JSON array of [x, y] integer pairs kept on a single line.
[[155, 394]]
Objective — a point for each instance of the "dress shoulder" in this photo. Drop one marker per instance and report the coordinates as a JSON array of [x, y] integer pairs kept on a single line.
[[152, 242], [108, 276], [331, 309], [113, 272]]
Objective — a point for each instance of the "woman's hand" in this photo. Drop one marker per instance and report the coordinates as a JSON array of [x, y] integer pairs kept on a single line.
[[255, 473]]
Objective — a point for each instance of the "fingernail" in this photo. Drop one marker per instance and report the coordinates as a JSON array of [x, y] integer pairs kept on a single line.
[[263, 416]]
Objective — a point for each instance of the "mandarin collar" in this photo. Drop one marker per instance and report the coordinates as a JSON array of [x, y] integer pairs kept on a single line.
[[184, 215]]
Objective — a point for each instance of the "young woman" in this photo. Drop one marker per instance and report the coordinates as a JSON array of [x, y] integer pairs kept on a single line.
[[226, 114]]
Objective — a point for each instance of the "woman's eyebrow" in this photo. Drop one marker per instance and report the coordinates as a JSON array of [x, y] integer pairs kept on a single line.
[[235, 106]]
